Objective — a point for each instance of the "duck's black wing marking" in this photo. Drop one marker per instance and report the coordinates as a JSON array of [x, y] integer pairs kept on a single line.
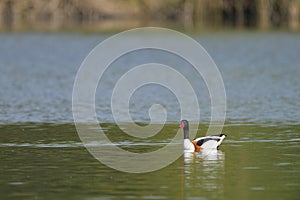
[[202, 141]]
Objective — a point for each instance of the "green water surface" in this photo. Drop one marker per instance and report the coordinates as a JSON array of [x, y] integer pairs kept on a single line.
[[48, 161]]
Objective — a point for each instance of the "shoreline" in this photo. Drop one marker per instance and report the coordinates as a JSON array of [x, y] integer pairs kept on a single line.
[[118, 15]]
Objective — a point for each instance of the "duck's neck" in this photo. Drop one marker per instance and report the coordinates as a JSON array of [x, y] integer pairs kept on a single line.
[[186, 133]]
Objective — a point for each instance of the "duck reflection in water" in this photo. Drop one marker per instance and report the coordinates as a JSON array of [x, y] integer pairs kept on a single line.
[[203, 172]]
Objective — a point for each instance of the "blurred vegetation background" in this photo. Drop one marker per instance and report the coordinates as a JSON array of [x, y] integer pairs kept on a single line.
[[116, 15]]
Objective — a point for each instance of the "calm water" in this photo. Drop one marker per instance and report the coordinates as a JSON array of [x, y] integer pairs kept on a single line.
[[43, 158]]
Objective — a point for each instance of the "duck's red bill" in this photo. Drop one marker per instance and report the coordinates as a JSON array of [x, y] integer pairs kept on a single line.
[[181, 125]]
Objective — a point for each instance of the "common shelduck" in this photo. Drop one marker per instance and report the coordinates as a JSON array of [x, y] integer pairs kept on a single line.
[[202, 143]]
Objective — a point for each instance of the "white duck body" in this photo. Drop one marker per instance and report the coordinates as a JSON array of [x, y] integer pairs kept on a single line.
[[188, 146]]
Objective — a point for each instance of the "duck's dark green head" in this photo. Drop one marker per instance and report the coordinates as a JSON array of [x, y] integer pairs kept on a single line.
[[184, 124]]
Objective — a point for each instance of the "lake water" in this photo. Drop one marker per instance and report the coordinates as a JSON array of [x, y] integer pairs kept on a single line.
[[42, 156]]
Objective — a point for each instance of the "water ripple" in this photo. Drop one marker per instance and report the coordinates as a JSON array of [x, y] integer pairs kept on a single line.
[[79, 144]]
